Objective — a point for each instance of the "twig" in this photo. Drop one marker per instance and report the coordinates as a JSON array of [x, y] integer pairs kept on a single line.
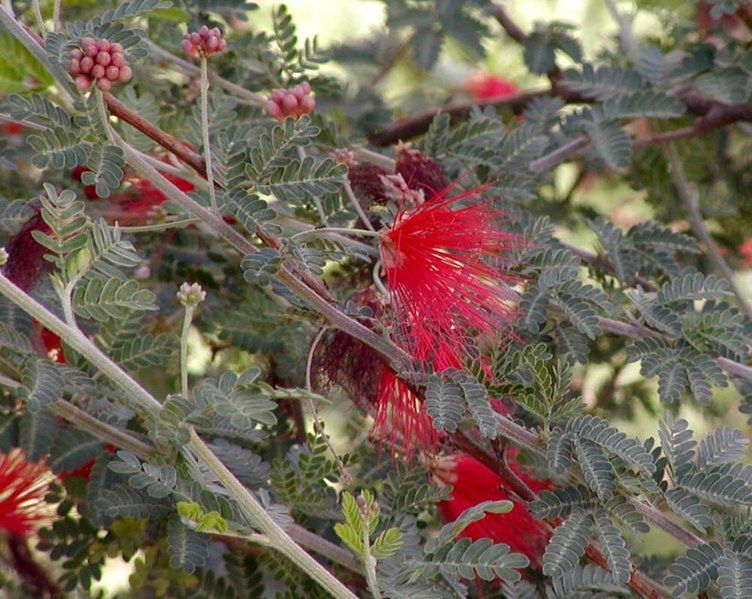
[[550, 160], [356, 204], [507, 24], [689, 198], [105, 432], [626, 35], [204, 86], [56, 16]]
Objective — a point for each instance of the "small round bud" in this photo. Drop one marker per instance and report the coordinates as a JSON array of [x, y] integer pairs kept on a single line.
[[77, 54], [305, 87], [3, 256], [307, 105], [278, 95], [112, 73], [91, 51], [290, 104], [104, 58], [87, 63], [97, 71], [116, 48], [82, 82], [75, 67], [191, 295], [125, 74], [88, 41], [203, 31], [118, 60], [195, 38], [216, 32], [298, 92], [212, 44], [104, 45], [104, 84], [273, 110], [187, 46], [222, 44]]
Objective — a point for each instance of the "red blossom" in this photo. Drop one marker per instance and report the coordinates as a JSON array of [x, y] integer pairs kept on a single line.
[[444, 270], [473, 483], [745, 252], [485, 86], [420, 172], [23, 486], [25, 256]]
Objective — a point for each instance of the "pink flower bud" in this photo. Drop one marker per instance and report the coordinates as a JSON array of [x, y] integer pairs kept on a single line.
[[82, 82], [195, 38], [91, 50], [97, 71], [307, 105], [290, 104], [112, 73], [75, 67], [88, 41], [104, 84], [212, 44], [203, 31], [278, 95], [77, 54], [305, 86], [216, 32], [222, 44], [104, 45], [273, 110], [298, 92], [86, 64], [116, 48], [118, 60], [125, 74], [104, 58], [187, 46]]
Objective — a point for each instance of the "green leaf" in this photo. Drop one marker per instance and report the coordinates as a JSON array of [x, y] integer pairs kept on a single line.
[[443, 402], [595, 468], [103, 299], [105, 164], [613, 546], [567, 544], [695, 570], [734, 575], [721, 446], [387, 543], [689, 507], [188, 549], [610, 142]]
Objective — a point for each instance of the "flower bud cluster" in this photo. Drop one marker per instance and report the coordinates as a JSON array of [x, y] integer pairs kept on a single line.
[[99, 62], [294, 102], [191, 295], [204, 42]]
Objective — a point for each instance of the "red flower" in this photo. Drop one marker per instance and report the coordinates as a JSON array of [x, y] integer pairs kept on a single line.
[[420, 172], [745, 252], [23, 486], [485, 86], [473, 483], [25, 256], [444, 271]]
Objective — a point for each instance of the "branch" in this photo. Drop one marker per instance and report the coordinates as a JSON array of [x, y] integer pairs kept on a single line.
[[507, 24], [690, 199]]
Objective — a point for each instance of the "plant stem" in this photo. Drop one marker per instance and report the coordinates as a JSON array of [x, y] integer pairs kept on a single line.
[[187, 319], [205, 133], [105, 432], [259, 518], [174, 224], [345, 230], [314, 410], [552, 159], [369, 562], [690, 199], [56, 16], [357, 206], [38, 17]]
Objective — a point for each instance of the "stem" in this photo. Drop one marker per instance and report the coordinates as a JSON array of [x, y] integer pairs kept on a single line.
[[205, 133], [187, 319], [345, 230], [260, 519], [56, 16], [626, 36], [38, 17], [550, 160], [17, 30], [175, 224], [314, 410], [357, 206], [79, 342], [369, 562], [105, 432], [689, 198]]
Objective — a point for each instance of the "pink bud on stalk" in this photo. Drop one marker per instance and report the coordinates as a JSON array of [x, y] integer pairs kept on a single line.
[[203, 43], [100, 62], [294, 102]]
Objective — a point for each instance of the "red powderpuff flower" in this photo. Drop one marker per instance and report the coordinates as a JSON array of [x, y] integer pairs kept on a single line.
[[473, 483], [444, 270], [26, 261], [485, 86], [23, 486]]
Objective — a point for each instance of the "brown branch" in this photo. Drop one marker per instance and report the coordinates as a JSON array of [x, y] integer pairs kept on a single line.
[[638, 582], [418, 124], [507, 24]]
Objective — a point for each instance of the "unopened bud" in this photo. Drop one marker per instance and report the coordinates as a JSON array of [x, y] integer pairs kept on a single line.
[[191, 294]]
